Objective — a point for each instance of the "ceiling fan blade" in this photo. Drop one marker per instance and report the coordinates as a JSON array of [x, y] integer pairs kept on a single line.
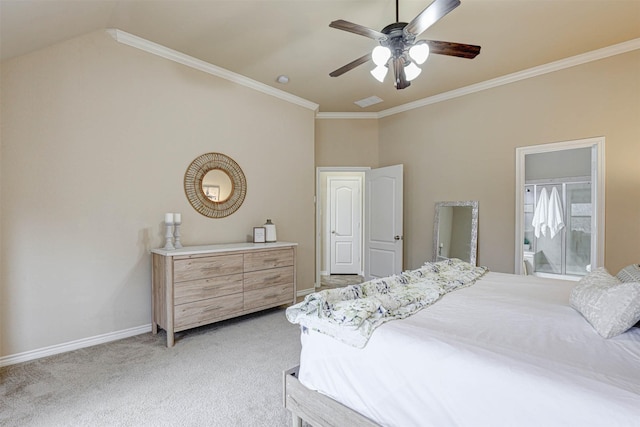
[[350, 66], [358, 29], [430, 15], [401, 81], [453, 49]]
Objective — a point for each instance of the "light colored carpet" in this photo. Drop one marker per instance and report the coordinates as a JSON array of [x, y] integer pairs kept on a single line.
[[226, 374]]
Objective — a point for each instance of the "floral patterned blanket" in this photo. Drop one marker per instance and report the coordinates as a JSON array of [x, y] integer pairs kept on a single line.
[[352, 313]]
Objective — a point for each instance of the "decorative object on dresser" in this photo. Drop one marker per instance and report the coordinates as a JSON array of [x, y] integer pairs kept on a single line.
[[270, 231], [215, 185], [259, 235], [177, 221], [168, 236], [198, 285]]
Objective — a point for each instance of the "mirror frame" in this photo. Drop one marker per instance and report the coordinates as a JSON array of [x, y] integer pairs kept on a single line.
[[194, 176], [473, 246]]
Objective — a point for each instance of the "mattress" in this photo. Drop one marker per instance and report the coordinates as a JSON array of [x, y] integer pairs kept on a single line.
[[507, 351]]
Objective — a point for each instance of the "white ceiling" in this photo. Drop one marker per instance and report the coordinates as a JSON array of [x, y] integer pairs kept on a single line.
[[262, 39]]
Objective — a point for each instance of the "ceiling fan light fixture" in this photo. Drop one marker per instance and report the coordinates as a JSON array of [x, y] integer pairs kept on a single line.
[[380, 55], [411, 71], [380, 72], [419, 52]]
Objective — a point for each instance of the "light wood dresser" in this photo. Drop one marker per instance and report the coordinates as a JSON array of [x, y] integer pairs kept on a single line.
[[198, 285]]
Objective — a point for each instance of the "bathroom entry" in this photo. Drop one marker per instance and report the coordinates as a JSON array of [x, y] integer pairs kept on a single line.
[[560, 208], [557, 237]]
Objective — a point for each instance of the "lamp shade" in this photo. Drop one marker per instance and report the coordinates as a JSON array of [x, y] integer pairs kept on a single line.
[[380, 72], [380, 55], [419, 52], [411, 71]]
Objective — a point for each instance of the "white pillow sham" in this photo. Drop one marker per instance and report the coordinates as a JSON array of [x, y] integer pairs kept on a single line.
[[630, 273], [610, 306]]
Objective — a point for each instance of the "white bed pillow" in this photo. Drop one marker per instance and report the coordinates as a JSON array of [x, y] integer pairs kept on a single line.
[[610, 306], [630, 273]]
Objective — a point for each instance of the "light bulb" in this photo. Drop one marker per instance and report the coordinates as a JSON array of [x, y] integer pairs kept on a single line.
[[411, 71], [419, 52], [380, 72], [380, 55]]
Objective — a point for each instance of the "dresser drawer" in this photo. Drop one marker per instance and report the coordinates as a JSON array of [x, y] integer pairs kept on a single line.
[[194, 290], [265, 278], [268, 259], [207, 311], [269, 297], [204, 267]]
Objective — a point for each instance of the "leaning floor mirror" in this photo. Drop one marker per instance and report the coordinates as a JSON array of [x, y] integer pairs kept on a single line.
[[455, 231]]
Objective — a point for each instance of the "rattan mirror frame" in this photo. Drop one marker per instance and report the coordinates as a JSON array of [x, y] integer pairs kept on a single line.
[[193, 185]]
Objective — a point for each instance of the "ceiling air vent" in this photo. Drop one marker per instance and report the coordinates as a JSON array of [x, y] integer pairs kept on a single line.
[[367, 102]]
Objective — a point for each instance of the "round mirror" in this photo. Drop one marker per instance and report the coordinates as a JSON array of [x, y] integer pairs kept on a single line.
[[215, 185]]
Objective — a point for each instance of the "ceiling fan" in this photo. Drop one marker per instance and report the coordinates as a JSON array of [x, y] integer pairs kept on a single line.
[[399, 46]]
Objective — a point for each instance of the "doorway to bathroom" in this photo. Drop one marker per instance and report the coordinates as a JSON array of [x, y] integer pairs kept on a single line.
[[560, 208]]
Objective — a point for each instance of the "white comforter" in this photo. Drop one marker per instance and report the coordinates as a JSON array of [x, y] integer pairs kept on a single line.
[[508, 351]]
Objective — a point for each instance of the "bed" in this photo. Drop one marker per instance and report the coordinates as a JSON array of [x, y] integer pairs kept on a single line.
[[506, 350]]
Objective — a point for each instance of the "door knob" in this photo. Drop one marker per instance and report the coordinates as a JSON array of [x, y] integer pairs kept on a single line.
[[397, 238], [333, 232]]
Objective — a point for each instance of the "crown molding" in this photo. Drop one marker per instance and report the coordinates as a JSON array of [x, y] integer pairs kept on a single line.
[[347, 115], [551, 67], [165, 52], [189, 61]]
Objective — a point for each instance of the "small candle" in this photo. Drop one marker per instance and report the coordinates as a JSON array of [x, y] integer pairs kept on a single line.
[[177, 218], [168, 218]]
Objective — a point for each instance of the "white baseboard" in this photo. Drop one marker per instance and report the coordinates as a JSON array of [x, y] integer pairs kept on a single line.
[[304, 292], [73, 345]]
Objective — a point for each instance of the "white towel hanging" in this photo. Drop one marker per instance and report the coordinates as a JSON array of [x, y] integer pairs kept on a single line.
[[555, 220], [540, 215]]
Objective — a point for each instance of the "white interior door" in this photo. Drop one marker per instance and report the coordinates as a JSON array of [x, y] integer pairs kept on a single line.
[[345, 216], [383, 242]]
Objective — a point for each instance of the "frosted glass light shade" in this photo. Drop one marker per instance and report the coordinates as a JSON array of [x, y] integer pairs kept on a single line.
[[380, 72], [380, 55], [419, 52], [411, 71]]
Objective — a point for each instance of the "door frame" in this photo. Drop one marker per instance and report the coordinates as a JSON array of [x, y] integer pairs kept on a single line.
[[597, 193], [319, 217]]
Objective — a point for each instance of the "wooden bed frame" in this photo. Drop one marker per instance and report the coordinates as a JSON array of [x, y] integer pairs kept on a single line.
[[316, 408]]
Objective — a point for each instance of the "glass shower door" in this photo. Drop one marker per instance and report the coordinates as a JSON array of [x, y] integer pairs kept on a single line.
[[578, 253]]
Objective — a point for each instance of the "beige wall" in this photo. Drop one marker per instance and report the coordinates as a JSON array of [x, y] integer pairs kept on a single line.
[[346, 142], [96, 137], [464, 149]]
